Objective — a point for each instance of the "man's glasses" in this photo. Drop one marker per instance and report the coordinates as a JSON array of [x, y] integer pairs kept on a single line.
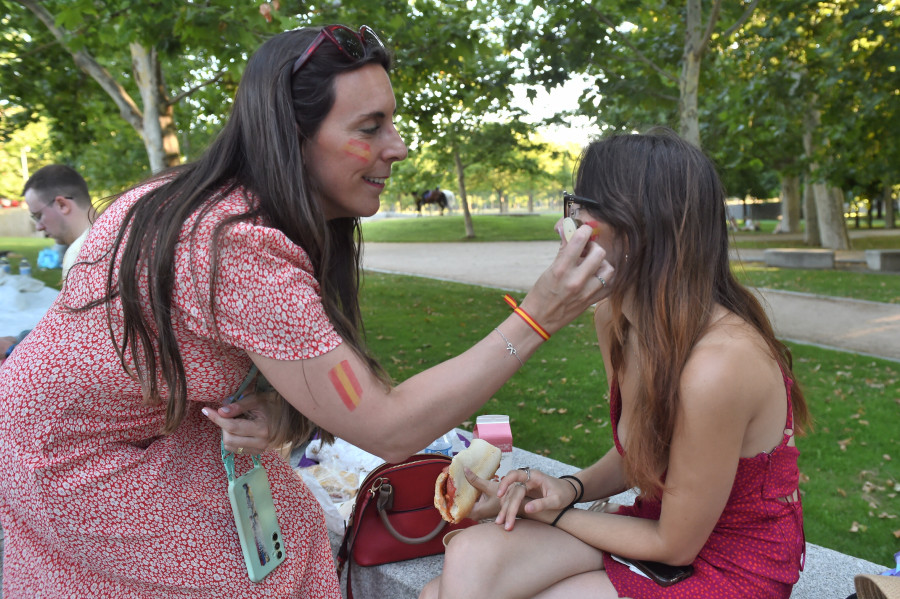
[[352, 44], [37, 216], [572, 205]]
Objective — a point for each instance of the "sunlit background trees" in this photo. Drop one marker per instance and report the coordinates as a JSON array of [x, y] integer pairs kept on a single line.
[[794, 99]]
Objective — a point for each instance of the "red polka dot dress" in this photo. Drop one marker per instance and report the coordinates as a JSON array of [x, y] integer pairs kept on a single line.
[[93, 502], [755, 550]]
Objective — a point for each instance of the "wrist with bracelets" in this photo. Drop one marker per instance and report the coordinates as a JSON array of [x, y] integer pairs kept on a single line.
[[579, 495], [537, 328]]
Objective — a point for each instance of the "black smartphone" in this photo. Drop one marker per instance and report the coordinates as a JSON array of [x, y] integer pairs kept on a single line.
[[662, 574]]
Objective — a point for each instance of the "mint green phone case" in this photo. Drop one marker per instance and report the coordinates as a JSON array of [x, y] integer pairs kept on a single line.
[[257, 522]]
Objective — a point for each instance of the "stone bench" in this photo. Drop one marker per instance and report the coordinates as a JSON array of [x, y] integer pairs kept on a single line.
[[883, 260], [827, 573], [799, 258]]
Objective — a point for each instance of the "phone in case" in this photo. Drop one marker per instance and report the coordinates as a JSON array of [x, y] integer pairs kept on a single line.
[[257, 522], [662, 574]]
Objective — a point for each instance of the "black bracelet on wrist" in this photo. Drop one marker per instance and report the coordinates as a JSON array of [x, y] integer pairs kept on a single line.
[[579, 494], [560, 514], [574, 488]]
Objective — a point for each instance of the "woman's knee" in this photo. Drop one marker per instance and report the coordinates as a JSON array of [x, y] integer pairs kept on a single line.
[[474, 548], [431, 590]]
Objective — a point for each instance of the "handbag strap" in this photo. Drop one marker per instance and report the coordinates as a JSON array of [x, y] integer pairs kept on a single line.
[[385, 501]]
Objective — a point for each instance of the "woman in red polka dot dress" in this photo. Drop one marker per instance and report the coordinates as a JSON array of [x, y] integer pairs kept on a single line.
[[112, 483], [703, 410]]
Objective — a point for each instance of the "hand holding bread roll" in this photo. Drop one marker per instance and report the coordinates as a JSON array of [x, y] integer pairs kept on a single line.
[[454, 497]]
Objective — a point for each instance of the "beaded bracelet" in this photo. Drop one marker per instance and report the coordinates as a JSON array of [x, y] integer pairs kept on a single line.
[[526, 317]]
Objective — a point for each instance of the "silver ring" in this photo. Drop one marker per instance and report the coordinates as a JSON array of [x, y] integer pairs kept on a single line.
[[519, 483], [240, 451], [602, 281], [527, 471]]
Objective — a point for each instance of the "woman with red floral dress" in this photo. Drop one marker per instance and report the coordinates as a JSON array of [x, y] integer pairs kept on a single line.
[[112, 482]]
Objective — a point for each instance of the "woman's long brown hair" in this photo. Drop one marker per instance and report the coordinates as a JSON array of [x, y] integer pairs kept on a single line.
[[259, 151], [663, 198]]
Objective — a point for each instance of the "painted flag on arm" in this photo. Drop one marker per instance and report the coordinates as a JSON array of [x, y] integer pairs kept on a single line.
[[346, 384]]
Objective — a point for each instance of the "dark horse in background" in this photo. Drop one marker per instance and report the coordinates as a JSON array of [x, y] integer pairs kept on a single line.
[[433, 196]]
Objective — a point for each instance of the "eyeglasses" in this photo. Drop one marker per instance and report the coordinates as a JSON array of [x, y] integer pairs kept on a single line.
[[37, 216], [352, 44], [572, 205]]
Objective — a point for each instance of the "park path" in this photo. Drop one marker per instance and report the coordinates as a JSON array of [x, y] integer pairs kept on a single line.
[[863, 327]]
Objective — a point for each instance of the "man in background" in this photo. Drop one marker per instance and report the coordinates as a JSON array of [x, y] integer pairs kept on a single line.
[[60, 205]]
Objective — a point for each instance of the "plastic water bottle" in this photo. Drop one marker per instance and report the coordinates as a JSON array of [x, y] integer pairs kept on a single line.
[[4, 265], [442, 445], [25, 267]]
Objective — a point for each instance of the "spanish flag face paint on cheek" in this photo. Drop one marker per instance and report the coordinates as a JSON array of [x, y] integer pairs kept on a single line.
[[595, 234], [358, 149], [346, 384]]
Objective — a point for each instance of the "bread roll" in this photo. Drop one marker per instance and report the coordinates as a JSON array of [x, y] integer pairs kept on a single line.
[[454, 497]]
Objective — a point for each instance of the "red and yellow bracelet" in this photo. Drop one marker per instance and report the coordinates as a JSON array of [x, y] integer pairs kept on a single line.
[[526, 317]]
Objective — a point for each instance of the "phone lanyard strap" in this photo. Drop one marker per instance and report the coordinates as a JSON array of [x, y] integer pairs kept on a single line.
[[246, 383], [228, 461], [228, 456]]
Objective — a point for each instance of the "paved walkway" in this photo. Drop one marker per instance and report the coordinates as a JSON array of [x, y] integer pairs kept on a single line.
[[870, 328]]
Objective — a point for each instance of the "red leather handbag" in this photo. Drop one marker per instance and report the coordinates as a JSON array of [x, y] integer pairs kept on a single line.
[[394, 517]]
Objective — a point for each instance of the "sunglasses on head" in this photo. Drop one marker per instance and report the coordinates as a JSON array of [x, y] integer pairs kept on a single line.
[[352, 44], [572, 205]]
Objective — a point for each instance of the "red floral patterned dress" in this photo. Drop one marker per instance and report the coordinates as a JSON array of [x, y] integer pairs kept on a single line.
[[755, 550], [94, 503]]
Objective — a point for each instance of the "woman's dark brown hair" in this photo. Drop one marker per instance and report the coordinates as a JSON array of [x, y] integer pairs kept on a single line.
[[663, 198], [259, 151]]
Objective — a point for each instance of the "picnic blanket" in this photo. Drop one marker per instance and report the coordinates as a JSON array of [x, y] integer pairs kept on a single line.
[[23, 302]]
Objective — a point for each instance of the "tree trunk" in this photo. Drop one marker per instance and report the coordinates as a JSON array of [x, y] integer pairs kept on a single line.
[[689, 83], [463, 199], [811, 237], [154, 125], [158, 126], [530, 201], [829, 207], [888, 201], [790, 204], [832, 223]]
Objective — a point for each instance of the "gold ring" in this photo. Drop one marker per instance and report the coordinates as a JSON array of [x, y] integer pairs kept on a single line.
[[240, 451]]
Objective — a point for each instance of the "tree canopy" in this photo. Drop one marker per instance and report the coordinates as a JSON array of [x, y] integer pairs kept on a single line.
[[774, 90]]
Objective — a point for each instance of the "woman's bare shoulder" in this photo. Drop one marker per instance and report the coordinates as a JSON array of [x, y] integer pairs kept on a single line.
[[730, 365]]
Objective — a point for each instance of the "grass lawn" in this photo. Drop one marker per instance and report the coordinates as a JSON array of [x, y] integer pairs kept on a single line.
[[488, 227], [539, 227], [876, 287], [559, 405]]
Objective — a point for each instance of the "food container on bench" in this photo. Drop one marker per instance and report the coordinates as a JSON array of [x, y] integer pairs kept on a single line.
[[494, 428]]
